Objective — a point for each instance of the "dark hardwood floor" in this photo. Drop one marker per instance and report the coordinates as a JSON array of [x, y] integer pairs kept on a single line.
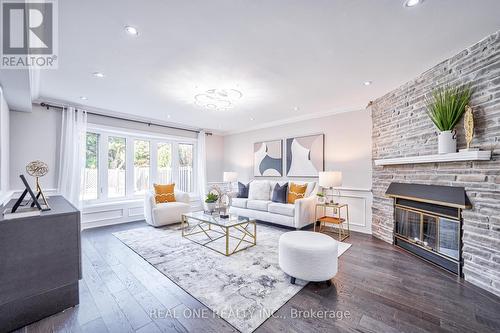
[[379, 288]]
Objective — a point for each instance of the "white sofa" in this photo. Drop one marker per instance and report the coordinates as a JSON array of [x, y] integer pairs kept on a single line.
[[165, 213], [259, 205]]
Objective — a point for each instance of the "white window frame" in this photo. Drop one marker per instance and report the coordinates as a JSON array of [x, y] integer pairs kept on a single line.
[[130, 136]]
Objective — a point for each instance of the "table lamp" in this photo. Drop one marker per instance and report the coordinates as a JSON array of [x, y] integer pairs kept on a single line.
[[230, 177], [330, 179]]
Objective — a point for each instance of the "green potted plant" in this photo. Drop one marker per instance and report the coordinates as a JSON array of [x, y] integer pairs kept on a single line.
[[445, 108], [211, 201]]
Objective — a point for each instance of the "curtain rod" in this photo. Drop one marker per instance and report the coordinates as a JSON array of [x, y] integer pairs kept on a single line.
[[47, 105]]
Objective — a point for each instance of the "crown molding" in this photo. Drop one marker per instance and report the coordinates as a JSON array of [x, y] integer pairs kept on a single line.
[[292, 120]]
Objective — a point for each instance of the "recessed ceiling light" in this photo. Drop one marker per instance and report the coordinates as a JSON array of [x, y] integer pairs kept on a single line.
[[296, 108], [83, 98], [367, 83], [252, 118], [412, 3], [168, 116], [98, 74], [131, 30]]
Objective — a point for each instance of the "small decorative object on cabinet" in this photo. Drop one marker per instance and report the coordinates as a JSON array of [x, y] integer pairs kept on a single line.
[[20, 209], [327, 222], [445, 108], [38, 169]]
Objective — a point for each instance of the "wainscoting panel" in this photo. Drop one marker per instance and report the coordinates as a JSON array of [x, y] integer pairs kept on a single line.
[[112, 213], [360, 208]]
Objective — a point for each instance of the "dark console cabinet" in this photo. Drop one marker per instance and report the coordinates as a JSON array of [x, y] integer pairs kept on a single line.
[[40, 264]]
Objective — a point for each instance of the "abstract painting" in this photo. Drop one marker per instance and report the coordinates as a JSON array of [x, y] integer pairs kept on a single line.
[[305, 156], [268, 158]]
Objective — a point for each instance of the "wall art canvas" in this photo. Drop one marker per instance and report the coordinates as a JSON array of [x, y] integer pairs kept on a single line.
[[268, 158], [305, 156]]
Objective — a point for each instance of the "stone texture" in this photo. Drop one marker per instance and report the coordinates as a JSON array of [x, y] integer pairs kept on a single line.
[[401, 127]]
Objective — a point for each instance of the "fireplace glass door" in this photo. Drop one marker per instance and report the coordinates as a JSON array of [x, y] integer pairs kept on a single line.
[[429, 231], [449, 232], [408, 224]]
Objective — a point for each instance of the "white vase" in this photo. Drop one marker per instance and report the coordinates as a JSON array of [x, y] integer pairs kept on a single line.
[[447, 142], [210, 206]]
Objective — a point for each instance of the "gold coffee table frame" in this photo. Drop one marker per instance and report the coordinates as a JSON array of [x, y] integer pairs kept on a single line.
[[210, 225]]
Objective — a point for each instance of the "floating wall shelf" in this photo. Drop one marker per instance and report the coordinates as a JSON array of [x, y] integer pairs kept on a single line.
[[479, 155]]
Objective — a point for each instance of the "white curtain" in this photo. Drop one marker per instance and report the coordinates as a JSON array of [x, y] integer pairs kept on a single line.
[[72, 154], [201, 165]]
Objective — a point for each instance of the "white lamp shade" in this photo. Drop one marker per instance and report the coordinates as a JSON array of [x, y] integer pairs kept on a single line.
[[230, 177], [329, 179]]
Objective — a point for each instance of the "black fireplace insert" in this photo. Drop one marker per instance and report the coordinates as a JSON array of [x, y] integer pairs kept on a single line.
[[428, 222]]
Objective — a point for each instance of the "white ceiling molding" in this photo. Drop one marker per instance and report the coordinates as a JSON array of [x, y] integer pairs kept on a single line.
[[291, 120]]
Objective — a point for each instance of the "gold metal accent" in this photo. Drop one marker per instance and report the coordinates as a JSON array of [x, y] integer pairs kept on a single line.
[[441, 203], [325, 222], [469, 125], [243, 235], [38, 169], [429, 212]]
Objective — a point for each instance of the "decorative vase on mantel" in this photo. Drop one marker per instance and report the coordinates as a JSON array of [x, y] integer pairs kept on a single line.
[[447, 142], [445, 108]]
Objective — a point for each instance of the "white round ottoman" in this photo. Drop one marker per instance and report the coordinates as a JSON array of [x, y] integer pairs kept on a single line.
[[308, 255]]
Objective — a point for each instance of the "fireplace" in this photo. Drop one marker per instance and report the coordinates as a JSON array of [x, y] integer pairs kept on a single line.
[[428, 222]]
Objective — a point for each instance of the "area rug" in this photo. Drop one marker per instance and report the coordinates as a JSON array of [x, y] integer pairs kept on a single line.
[[244, 289]]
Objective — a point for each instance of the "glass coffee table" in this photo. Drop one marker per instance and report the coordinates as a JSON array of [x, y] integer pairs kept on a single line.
[[232, 234]]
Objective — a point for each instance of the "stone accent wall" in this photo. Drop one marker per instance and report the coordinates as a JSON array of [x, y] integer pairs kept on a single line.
[[401, 127]]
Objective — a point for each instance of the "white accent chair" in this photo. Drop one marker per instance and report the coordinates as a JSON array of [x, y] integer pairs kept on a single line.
[[160, 214], [308, 255]]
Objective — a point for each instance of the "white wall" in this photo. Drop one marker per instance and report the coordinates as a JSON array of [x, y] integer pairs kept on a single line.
[[4, 149], [347, 146], [347, 149], [34, 136]]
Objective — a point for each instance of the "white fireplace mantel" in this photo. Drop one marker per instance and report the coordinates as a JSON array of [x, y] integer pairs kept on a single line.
[[478, 155]]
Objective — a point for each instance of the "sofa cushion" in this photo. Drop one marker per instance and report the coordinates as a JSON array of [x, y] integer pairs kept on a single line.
[[258, 204], [282, 209], [239, 202], [243, 190], [296, 192], [164, 193], [280, 193], [309, 189], [259, 190]]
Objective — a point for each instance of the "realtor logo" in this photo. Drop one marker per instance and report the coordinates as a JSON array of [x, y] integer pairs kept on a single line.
[[29, 34]]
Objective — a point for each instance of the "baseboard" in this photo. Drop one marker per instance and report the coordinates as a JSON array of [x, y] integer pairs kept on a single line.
[[104, 223]]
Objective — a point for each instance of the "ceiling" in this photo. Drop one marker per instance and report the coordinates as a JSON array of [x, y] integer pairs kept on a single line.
[[290, 59]]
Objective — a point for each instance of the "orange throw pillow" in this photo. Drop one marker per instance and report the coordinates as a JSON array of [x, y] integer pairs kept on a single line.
[[164, 193], [296, 192]]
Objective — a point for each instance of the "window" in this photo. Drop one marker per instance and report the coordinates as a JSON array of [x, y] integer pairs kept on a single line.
[[186, 167], [121, 164], [116, 166], [141, 166], [91, 176], [164, 154]]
